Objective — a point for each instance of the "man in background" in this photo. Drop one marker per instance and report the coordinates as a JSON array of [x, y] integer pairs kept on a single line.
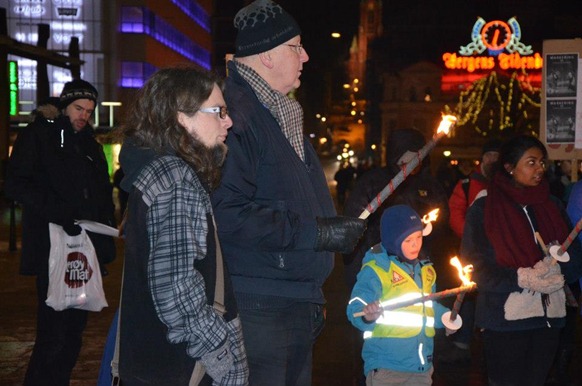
[[59, 174]]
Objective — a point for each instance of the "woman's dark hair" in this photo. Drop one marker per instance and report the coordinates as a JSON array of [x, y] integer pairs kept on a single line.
[[513, 149], [153, 119]]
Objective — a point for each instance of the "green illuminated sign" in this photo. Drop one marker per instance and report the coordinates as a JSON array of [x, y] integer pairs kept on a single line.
[[13, 87]]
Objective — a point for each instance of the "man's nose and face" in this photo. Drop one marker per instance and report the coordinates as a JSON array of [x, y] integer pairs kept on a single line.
[[79, 112], [288, 59]]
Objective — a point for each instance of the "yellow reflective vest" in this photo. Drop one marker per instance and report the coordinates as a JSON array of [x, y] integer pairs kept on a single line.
[[398, 286]]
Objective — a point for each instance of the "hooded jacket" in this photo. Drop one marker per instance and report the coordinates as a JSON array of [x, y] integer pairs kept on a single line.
[[58, 174], [413, 351], [167, 320]]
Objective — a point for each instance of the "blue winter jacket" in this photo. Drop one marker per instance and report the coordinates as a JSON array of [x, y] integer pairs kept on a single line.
[[267, 204], [413, 354]]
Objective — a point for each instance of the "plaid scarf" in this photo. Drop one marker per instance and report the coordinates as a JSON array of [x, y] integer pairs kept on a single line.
[[286, 111]]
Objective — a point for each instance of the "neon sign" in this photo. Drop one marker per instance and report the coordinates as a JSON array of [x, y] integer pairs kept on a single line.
[[502, 41], [13, 87]]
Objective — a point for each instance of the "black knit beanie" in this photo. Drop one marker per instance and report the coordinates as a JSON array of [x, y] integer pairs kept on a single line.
[[262, 25], [77, 89]]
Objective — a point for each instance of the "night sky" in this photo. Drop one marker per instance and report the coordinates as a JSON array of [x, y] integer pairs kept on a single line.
[[417, 30]]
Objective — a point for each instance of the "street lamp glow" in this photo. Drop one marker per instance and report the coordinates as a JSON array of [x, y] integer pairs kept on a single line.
[[447, 153], [336, 35]]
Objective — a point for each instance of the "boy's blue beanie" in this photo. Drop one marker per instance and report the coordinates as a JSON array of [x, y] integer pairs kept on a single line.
[[397, 223]]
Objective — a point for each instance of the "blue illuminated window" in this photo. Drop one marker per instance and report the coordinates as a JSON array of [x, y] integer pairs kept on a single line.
[[134, 74], [142, 20], [195, 12]]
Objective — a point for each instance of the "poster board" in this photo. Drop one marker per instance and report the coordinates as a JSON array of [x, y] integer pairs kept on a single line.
[[561, 99]]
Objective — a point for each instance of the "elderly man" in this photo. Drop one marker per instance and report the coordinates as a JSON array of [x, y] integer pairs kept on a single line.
[[276, 219]]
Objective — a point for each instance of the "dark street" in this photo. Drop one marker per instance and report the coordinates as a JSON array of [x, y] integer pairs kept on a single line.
[[335, 356]]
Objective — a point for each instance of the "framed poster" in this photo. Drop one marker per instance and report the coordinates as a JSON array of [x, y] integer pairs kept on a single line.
[[561, 100], [562, 72], [560, 120]]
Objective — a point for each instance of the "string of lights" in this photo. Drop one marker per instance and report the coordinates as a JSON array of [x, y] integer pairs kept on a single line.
[[497, 103]]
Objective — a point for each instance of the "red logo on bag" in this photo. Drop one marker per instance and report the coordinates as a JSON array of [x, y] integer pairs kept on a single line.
[[78, 270]]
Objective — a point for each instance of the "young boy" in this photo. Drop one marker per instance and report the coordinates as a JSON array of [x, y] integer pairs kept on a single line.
[[398, 344]]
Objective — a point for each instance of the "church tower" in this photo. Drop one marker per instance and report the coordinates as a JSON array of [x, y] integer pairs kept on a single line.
[[370, 28]]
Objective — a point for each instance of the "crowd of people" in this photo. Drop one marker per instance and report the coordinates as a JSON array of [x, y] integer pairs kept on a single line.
[[230, 233]]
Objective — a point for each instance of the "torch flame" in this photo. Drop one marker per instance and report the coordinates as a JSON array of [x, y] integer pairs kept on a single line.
[[464, 272], [446, 123], [431, 216]]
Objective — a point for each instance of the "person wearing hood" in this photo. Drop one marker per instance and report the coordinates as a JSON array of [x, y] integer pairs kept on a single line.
[[58, 173], [179, 323], [398, 344], [420, 190]]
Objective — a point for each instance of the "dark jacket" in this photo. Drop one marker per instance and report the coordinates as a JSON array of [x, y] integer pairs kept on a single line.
[[420, 191], [267, 204], [58, 175], [495, 282]]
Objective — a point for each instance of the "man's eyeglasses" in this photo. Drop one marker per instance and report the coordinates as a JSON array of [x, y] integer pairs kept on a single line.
[[222, 111], [296, 47]]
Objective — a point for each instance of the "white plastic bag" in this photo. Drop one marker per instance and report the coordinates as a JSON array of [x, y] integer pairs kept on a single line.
[[74, 275]]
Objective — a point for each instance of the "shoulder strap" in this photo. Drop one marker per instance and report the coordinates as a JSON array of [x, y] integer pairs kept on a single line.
[[198, 372]]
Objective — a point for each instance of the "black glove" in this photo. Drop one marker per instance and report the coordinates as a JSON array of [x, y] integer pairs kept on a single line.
[[71, 228], [338, 234]]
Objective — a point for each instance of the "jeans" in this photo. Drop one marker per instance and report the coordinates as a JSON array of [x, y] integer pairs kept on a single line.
[[59, 336], [279, 343]]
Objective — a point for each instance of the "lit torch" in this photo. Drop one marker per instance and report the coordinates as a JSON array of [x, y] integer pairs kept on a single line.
[[559, 252], [446, 123], [428, 219], [451, 319], [570, 298], [468, 285]]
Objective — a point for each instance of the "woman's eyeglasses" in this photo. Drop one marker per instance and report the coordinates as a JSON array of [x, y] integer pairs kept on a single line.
[[222, 111]]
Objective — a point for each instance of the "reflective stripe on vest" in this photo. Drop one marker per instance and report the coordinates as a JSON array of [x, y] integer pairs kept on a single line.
[[398, 286]]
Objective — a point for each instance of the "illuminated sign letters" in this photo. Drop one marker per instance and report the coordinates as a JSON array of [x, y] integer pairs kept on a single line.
[[13, 87], [502, 41]]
